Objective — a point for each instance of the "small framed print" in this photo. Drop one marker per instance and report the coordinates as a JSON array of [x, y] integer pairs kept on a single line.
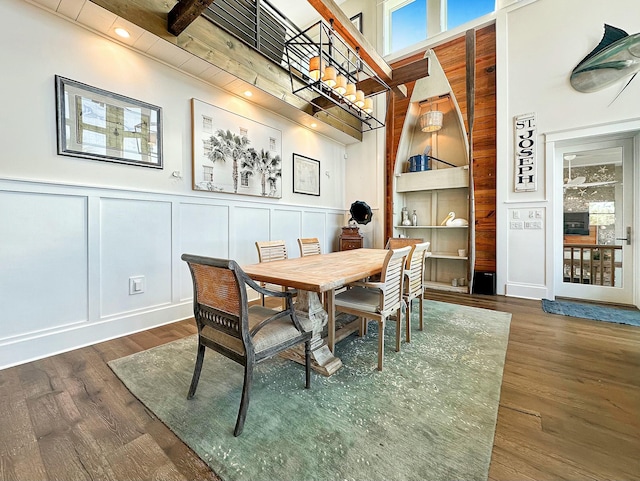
[[306, 175], [357, 21]]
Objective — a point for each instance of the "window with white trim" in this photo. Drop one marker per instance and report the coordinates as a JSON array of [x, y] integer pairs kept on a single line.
[[408, 22]]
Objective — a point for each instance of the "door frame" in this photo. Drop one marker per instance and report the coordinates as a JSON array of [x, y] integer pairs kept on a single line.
[[555, 141]]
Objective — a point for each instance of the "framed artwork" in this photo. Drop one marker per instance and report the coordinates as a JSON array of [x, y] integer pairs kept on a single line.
[[100, 125], [357, 21], [234, 154], [306, 175]]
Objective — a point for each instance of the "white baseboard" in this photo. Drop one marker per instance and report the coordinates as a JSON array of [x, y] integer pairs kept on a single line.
[[527, 291], [38, 346]]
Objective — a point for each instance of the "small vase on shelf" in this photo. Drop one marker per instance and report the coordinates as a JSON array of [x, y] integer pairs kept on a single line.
[[405, 217], [414, 218]]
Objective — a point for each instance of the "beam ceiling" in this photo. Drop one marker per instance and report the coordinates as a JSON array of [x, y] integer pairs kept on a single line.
[[209, 43]]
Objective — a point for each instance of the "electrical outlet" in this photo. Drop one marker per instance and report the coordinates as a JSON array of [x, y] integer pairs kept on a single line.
[[516, 225], [136, 285], [534, 224]]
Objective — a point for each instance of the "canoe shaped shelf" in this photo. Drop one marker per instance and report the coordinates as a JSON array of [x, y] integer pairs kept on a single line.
[[449, 178], [442, 193]]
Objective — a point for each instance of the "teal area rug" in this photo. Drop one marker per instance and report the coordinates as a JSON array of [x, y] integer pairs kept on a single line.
[[430, 414], [592, 311]]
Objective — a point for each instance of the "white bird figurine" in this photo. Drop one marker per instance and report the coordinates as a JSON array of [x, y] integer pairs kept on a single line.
[[451, 220]]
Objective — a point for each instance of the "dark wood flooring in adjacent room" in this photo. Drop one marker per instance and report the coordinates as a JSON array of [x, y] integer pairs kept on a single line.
[[569, 409]]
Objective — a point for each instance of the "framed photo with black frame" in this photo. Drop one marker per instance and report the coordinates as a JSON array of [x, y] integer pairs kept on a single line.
[[357, 21], [96, 124], [306, 175]]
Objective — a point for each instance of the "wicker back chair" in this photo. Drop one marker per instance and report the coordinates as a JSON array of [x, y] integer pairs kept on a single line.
[[309, 246], [414, 282], [226, 324], [378, 300]]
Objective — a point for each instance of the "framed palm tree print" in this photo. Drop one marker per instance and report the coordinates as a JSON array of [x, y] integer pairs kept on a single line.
[[234, 154]]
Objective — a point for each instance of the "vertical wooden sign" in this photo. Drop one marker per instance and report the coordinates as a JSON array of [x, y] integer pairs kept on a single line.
[[526, 169]]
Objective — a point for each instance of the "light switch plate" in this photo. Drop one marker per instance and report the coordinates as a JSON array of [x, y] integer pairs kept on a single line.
[[136, 285]]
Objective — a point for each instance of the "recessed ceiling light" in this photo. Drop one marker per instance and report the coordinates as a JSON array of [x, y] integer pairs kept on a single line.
[[248, 93], [313, 125], [122, 32]]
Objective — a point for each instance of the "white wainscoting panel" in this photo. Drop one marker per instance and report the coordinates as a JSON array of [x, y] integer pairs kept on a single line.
[[249, 224], [286, 225], [135, 240], [43, 254], [335, 223], [67, 253], [204, 231], [313, 225]]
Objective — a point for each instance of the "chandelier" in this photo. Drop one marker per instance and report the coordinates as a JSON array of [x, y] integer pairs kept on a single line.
[[329, 74]]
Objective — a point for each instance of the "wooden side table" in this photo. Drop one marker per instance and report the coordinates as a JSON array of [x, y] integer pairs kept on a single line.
[[350, 239]]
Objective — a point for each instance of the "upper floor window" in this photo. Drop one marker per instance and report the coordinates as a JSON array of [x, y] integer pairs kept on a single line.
[[408, 22]]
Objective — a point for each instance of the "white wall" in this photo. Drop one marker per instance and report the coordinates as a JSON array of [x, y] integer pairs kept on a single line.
[[539, 45], [73, 231], [365, 163]]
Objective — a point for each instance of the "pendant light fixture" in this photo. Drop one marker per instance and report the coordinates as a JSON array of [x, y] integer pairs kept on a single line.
[[337, 75], [341, 84], [431, 121], [316, 68], [329, 77]]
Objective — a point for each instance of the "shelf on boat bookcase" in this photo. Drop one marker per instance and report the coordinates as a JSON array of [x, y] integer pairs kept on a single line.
[[432, 227], [443, 286]]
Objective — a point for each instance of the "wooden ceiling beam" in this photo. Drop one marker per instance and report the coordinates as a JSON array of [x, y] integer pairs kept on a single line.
[[410, 72], [184, 13]]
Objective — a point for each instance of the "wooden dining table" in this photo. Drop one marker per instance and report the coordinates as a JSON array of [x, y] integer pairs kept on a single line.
[[312, 275]]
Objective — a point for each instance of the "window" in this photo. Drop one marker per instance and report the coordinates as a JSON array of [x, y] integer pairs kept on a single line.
[[460, 12], [244, 179], [408, 22], [207, 124], [207, 147]]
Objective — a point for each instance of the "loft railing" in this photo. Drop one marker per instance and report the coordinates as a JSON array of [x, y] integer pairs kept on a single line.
[[591, 264], [257, 23], [264, 28]]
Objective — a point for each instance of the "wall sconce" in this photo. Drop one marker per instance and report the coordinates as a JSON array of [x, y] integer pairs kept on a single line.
[[431, 121]]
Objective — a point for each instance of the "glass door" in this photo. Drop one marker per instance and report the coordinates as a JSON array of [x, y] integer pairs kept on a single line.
[[597, 195]]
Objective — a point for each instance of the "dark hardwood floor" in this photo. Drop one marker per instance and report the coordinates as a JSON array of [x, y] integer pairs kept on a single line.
[[569, 408]]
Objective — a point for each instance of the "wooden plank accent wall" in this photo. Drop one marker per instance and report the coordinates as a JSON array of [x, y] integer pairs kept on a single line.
[[452, 58]]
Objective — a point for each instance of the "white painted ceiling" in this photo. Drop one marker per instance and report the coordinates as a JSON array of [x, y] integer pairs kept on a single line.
[[97, 19]]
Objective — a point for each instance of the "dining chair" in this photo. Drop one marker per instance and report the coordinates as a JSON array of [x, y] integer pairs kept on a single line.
[[414, 282], [397, 242], [227, 325], [378, 300], [269, 251], [309, 246]]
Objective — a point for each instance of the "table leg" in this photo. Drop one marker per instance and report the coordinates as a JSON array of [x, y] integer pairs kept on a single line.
[[322, 359], [331, 313]]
